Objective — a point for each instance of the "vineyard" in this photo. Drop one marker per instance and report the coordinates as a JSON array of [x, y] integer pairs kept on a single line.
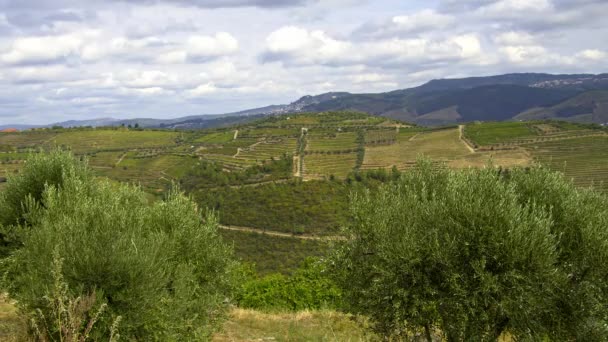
[[324, 145], [584, 160]]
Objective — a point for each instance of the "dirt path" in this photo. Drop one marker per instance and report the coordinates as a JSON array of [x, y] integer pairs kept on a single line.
[[251, 185], [414, 136], [296, 163], [281, 234], [236, 134], [121, 158], [300, 153], [250, 148], [461, 137]]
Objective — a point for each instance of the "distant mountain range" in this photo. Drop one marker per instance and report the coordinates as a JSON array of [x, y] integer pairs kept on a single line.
[[579, 98]]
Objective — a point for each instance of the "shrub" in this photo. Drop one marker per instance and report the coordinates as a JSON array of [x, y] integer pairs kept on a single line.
[[40, 170], [160, 267], [477, 253], [70, 318], [308, 288]]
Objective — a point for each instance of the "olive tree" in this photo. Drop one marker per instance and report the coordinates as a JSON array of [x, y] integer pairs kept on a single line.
[[39, 171], [162, 268], [473, 254]]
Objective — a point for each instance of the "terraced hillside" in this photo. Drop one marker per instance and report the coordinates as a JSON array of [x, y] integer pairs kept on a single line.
[[584, 160], [293, 174], [577, 150]]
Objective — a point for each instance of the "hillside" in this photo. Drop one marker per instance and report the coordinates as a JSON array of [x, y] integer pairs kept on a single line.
[[589, 107], [528, 96], [494, 98], [292, 174]]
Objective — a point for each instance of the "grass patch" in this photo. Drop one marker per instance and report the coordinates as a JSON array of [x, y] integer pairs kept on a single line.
[[489, 133], [251, 325], [97, 140], [585, 160], [273, 254]]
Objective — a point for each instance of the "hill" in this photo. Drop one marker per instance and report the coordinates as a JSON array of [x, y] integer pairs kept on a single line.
[[589, 107], [290, 176], [494, 98], [438, 102]]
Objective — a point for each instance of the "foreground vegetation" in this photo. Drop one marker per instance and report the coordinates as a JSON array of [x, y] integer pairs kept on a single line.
[[161, 271], [478, 253], [432, 253]]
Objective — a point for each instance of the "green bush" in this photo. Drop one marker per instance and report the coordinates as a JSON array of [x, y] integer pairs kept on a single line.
[[308, 288], [165, 271], [477, 253], [39, 171]]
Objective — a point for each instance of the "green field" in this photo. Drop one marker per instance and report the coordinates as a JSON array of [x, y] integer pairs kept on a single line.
[[585, 160], [100, 140], [443, 146], [488, 133], [327, 164], [499, 133], [272, 254], [337, 142], [216, 138]]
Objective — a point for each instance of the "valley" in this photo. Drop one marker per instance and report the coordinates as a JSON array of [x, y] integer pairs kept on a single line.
[[293, 174]]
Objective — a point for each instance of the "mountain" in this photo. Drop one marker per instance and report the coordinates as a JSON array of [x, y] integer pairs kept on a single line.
[[523, 96], [494, 98], [588, 107], [18, 127], [94, 122]]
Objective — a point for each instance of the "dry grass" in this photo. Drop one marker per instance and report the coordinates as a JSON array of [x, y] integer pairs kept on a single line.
[[251, 325], [444, 146], [12, 326]]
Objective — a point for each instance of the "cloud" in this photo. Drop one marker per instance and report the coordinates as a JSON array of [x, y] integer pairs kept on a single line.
[[404, 24], [296, 46], [513, 38], [205, 47], [73, 59], [504, 8], [593, 54], [228, 3], [45, 49]]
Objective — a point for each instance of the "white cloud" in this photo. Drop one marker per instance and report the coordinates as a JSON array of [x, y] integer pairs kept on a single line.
[[39, 74], [515, 38], [593, 54], [523, 54], [42, 49], [425, 19], [203, 90], [507, 8], [211, 46], [173, 57], [148, 79], [297, 46]]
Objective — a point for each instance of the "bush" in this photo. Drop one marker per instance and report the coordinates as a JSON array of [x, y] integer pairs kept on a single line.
[[38, 172], [160, 267], [71, 318], [477, 253], [308, 288]]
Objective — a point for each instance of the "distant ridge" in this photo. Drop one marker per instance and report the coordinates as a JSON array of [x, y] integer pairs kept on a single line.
[[576, 97]]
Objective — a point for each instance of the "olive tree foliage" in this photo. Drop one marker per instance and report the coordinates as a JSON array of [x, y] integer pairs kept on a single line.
[[162, 268], [39, 171], [473, 254]]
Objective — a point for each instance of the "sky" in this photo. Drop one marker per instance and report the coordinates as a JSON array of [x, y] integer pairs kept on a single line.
[[67, 59]]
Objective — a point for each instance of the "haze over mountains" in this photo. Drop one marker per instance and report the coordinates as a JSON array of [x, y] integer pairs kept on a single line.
[[580, 98]]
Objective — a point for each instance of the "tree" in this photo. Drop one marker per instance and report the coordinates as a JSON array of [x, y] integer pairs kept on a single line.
[[40, 171], [476, 253], [160, 267]]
